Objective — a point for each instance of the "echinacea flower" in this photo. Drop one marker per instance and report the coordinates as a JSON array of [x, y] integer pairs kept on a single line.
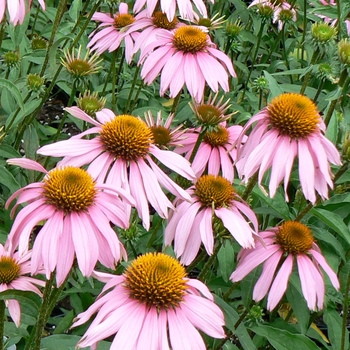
[[186, 56], [288, 127], [215, 153], [17, 9], [283, 245], [164, 136], [112, 31], [213, 197], [13, 270], [152, 306], [76, 212], [121, 156], [150, 27], [80, 66], [169, 7]]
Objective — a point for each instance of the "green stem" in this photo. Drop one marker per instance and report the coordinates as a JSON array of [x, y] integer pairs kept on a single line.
[[198, 143], [59, 14], [342, 79], [228, 293], [255, 55], [339, 16], [253, 180], [345, 313], [284, 51], [203, 254], [132, 88], [203, 274], [175, 103], [112, 68], [230, 333], [308, 74], [318, 92], [2, 30], [2, 320], [36, 334], [304, 30]]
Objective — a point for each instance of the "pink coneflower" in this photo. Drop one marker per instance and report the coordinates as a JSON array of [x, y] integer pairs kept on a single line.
[[152, 306], [165, 136], [13, 271], [289, 126], [150, 27], [77, 213], [192, 223], [186, 56], [114, 30], [169, 7], [215, 153], [122, 156], [284, 244], [17, 9]]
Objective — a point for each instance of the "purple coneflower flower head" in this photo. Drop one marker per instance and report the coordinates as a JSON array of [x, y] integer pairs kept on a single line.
[[164, 135], [122, 156], [186, 56], [150, 26], [215, 154], [13, 270], [185, 7], [17, 9], [77, 212], [152, 306], [214, 203], [113, 31], [289, 127], [283, 245]]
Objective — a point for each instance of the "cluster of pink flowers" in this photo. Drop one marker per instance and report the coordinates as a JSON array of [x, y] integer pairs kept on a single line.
[[80, 211]]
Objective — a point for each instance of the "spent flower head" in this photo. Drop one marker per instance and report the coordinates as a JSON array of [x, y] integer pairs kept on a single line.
[[80, 66], [35, 82], [344, 51], [12, 59], [91, 103], [38, 43]]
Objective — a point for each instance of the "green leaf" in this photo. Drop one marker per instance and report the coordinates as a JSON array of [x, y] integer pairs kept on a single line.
[[281, 339], [74, 10], [8, 180], [333, 220], [7, 151], [31, 142], [275, 89], [65, 323], [30, 300], [231, 317], [226, 258], [67, 342], [298, 303], [334, 324], [13, 89]]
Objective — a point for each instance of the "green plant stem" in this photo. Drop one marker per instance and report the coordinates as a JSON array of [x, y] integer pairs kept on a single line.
[[339, 16], [228, 293], [230, 333], [59, 14], [2, 321], [203, 254], [175, 103], [341, 83], [253, 180], [318, 92], [284, 51], [203, 274], [304, 29], [36, 334], [345, 313], [2, 30], [255, 55], [132, 88], [308, 74], [198, 143]]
